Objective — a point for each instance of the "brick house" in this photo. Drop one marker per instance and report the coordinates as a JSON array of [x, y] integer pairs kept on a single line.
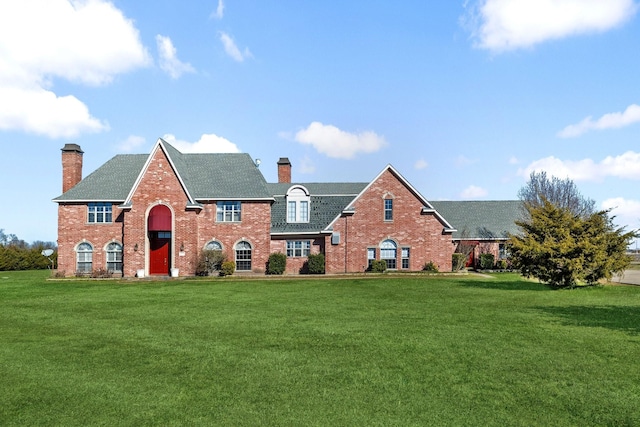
[[153, 214]]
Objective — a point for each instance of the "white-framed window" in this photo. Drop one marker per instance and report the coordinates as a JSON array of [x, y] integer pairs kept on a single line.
[[243, 256], [213, 245], [114, 257], [228, 211], [388, 209], [99, 213], [84, 258], [371, 256], [298, 202], [298, 248], [388, 252], [405, 258]]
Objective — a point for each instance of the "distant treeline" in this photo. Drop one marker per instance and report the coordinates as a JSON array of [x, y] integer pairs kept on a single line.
[[16, 254]]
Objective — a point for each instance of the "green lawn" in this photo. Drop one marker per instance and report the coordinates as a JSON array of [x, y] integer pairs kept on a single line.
[[389, 351]]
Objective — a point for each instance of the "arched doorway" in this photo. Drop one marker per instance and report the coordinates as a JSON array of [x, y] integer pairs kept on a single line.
[[159, 228]]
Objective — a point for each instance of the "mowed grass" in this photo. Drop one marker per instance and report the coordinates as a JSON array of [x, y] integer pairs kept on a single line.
[[412, 350]]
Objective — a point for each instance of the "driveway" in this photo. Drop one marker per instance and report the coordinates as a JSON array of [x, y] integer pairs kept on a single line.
[[630, 277]]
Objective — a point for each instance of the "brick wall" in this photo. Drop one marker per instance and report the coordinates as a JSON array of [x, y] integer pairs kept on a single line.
[[192, 229], [410, 228]]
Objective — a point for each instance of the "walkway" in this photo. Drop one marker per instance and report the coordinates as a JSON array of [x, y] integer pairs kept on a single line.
[[630, 277]]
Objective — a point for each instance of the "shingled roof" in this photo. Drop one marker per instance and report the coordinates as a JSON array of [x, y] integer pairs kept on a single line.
[[481, 219], [209, 176], [327, 202]]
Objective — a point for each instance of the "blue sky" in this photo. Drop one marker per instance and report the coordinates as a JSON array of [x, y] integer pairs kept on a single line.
[[465, 98]]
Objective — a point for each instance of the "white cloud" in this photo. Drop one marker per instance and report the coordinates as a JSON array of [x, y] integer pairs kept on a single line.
[[208, 143], [42, 112], [232, 49], [169, 62], [219, 12], [420, 164], [625, 166], [336, 143], [608, 121], [626, 211], [131, 143], [86, 42], [501, 25], [513, 160], [473, 192]]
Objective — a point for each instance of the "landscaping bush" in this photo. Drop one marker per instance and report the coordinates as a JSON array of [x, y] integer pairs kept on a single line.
[[227, 268], [502, 264], [315, 264], [458, 261], [430, 267], [487, 261], [209, 262], [277, 263], [378, 266]]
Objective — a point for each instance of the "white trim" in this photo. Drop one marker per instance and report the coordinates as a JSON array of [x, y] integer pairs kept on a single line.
[[427, 208], [160, 144]]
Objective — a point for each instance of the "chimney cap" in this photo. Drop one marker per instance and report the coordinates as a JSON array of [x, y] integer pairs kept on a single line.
[[72, 148], [284, 161]]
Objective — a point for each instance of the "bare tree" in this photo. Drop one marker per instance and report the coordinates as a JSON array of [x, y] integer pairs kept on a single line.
[[561, 193]]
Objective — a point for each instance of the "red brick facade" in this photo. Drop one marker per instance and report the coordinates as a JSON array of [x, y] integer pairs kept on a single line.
[[422, 233], [363, 226]]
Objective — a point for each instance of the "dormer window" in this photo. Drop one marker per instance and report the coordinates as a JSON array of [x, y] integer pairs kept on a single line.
[[298, 201]]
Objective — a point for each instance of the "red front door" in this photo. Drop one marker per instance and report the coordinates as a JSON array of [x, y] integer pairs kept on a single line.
[[159, 257]]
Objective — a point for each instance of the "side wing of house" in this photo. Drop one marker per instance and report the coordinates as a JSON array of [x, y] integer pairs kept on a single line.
[[390, 221], [483, 226]]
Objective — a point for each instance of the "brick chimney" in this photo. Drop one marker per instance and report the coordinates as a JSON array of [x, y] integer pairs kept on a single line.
[[71, 166], [284, 170]]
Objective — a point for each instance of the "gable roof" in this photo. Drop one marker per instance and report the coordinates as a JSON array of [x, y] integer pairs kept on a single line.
[[482, 219], [204, 176], [328, 200], [427, 207]]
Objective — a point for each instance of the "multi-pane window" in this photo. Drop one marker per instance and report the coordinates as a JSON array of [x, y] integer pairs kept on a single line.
[[99, 212], [388, 209], [84, 258], [405, 258], [297, 205], [243, 256], [228, 211], [114, 257], [298, 248], [388, 250], [371, 256]]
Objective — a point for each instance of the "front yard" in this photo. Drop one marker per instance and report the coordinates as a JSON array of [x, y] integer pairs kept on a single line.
[[414, 350]]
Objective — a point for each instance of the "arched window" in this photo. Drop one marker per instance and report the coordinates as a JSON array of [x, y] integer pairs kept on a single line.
[[84, 258], [243, 256], [388, 253], [213, 245], [114, 257], [298, 202]]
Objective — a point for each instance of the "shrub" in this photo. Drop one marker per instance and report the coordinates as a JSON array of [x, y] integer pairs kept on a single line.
[[487, 261], [101, 273], [502, 264], [430, 267], [227, 268], [458, 261], [277, 263], [378, 266], [315, 264], [209, 261]]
